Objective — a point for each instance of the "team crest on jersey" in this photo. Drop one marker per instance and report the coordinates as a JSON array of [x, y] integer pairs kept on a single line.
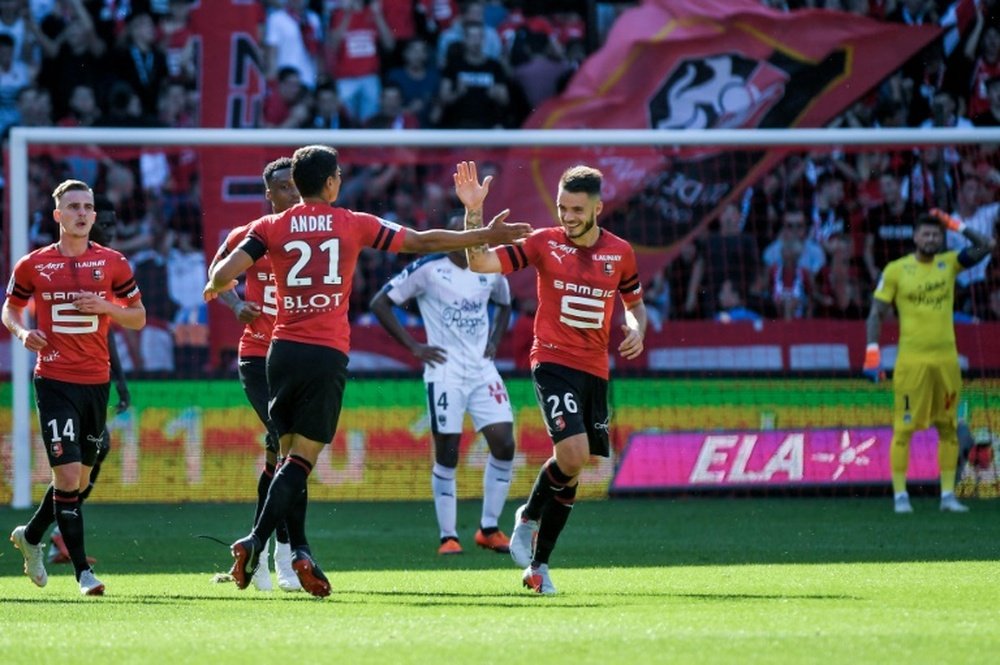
[[609, 268], [97, 274], [442, 420], [940, 265]]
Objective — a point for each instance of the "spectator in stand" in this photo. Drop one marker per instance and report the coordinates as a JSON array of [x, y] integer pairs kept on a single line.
[[764, 203], [474, 92], [293, 37], [931, 181], [838, 289], [358, 32], [539, 76], [328, 112], [945, 112], [141, 62], [287, 104], [419, 80], [991, 116], [72, 52], [730, 255], [152, 348], [729, 306], [14, 77], [83, 110], [790, 286], [684, 275], [829, 215], [125, 109], [177, 41], [986, 63], [972, 292], [451, 41], [793, 227], [135, 226], [15, 20], [913, 12], [392, 114], [34, 104], [175, 107], [888, 228]]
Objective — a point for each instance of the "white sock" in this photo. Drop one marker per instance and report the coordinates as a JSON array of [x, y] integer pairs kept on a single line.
[[496, 485], [445, 503]]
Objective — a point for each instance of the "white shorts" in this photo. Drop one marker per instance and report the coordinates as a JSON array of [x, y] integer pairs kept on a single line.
[[486, 401]]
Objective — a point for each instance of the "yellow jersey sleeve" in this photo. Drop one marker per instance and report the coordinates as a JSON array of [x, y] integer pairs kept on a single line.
[[887, 283]]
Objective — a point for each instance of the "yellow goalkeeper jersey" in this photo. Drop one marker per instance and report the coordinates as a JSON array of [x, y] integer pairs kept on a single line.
[[924, 295]]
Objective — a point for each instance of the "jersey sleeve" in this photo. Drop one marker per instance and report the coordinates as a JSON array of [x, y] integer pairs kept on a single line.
[[888, 283], [518, 257], [379, 233], [255, 242], [20, 287], [630, 286], [407, 284], [123, 284], [501, 291]]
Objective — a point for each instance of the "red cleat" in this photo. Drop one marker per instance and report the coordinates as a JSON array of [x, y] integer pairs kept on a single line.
[[310, 576], [246, 558]]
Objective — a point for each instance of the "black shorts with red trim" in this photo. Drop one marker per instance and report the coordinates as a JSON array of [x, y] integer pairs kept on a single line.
[[253, 378], [72, 418], [573, 402], [306, 383]]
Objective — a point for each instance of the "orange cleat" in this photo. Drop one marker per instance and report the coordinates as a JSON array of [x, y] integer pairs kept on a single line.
[[450, 546], [496, 541]]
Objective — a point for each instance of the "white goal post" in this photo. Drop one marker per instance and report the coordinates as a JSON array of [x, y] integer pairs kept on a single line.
[[22, 138]]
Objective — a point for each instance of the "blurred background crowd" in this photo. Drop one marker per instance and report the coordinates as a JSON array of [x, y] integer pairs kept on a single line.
[[808, 240]]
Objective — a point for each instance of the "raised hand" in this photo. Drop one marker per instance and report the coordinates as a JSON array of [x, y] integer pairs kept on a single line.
[[469, 190]]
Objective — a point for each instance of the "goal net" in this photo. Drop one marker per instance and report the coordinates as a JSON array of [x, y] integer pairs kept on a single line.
[[758, 251]]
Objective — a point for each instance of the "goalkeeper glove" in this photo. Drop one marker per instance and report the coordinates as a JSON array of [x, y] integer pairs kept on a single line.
[[872, 368], [947, 220]]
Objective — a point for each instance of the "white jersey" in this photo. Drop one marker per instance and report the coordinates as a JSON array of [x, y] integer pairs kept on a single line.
[[453, 304]]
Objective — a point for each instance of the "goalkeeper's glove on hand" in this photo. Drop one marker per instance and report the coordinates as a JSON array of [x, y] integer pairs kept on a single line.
[[872, 368], [949, 222]]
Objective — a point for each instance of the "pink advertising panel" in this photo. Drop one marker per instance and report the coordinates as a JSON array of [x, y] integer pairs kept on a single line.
[[698, 460]]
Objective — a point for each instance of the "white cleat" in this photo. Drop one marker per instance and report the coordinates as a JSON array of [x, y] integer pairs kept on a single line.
[[34, 557], [949, 504], [901, 504], [537, 579], [287, 579], [522, 539], [262, 576], [90, 585]]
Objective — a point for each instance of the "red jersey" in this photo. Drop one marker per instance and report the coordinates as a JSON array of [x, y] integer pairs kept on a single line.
[[260, 289], [77, 351], [314, 250], [358, 52], [576, 289]]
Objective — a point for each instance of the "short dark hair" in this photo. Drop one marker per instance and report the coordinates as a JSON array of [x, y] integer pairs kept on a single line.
[[926, 219], [311, 166], [280, 164], [582, 178], [69, 186]]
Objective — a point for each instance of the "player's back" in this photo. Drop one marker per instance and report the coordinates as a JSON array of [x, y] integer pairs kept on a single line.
[[77, 349], [314, 250]]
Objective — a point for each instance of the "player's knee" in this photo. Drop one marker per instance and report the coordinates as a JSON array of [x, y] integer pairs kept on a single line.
[[503, 449], [446, 450]]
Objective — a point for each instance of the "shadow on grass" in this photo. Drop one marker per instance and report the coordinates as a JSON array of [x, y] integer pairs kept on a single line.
[[368, 537]]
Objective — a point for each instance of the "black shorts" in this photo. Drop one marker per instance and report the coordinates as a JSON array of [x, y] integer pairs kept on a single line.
[[306, 384], [573, 402], [253, 377], [72, 417]]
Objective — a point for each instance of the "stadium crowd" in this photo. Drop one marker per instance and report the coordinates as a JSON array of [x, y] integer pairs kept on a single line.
[[808, 240]]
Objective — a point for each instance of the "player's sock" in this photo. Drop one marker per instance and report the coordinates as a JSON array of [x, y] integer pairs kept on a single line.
[[288, 484], [553, 520], [43, 518], [263, 483], [69, 517], [281, 531], [551, 479], [445, 501], [496, 485], [294, 527], [899, 459], [947, 455], [95, 472]]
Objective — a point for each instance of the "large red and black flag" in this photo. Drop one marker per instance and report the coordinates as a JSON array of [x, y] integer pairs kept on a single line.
[[701, 64]]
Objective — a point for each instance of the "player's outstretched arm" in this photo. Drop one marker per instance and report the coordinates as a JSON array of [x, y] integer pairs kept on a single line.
[[381, 307], [439, 240], [245, 312], [223, 274], [501, 321], [635, 331]]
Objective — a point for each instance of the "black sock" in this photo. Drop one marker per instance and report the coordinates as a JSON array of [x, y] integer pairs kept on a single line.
[[43, 518], [288, 484], [294, 527], [95, 472], [69, 517], [263, 483], [553, 520], [550, 480], [488, 530]]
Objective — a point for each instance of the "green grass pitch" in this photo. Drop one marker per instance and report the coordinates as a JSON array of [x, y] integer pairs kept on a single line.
[[801, 580]]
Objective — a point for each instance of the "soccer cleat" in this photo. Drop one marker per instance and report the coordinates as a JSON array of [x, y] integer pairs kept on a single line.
[[34, 557], [949, 504], [537, 579], [901, 504], [58, 552], [310, 576], [496, 541], [287, 579], [90, 585], [522, 539], [262, 577], [246, 559], [450, 546]]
